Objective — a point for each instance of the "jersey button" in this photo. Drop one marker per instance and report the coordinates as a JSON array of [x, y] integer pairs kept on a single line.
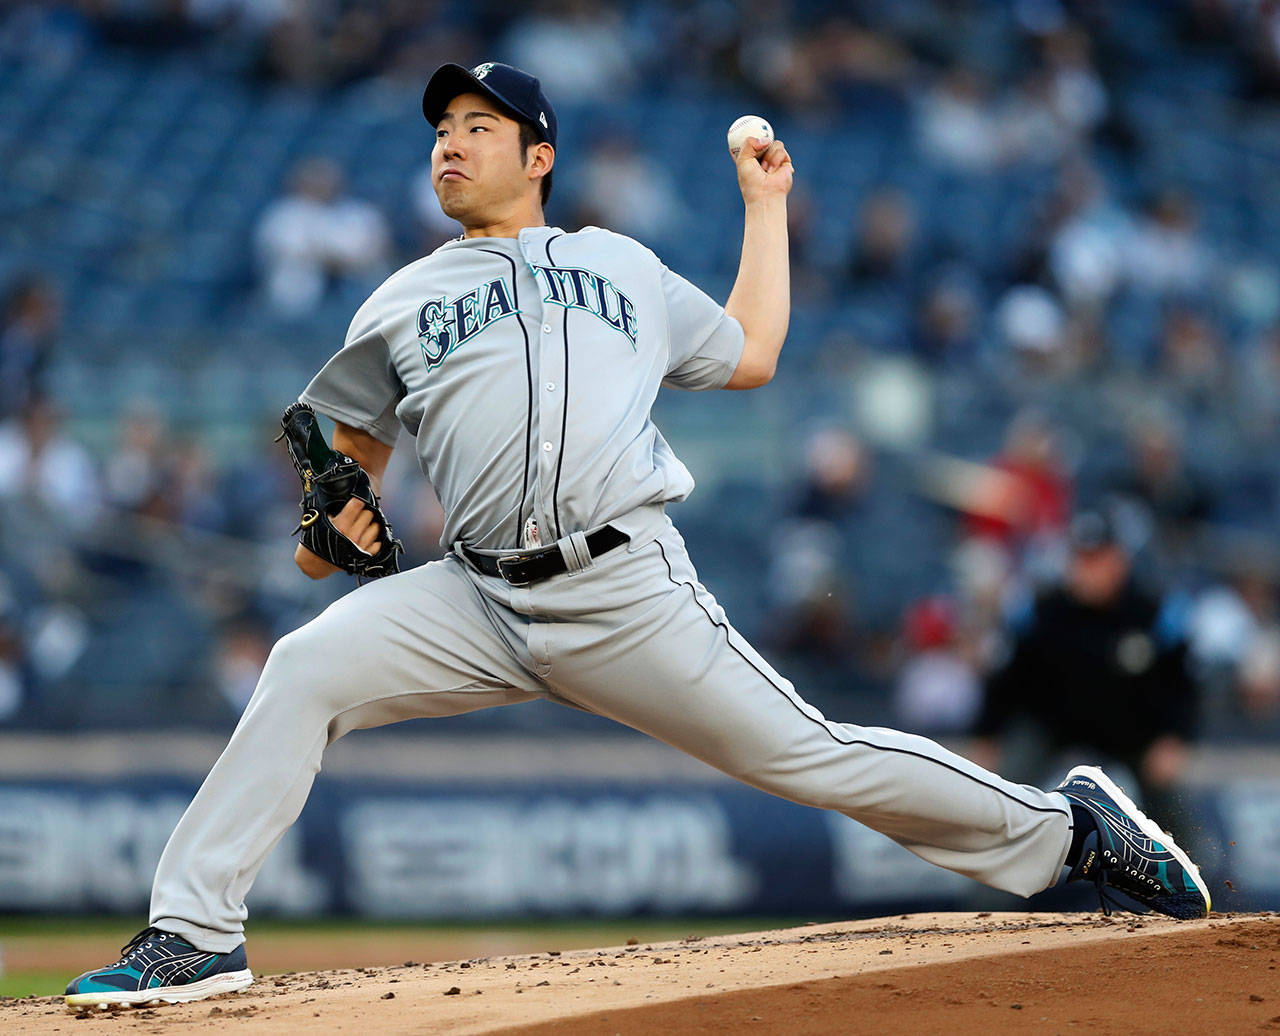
[[551, 386], [546, 329], [547, 447]]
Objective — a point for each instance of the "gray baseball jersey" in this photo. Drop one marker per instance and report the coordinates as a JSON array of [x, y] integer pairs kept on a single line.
[[527, 368]]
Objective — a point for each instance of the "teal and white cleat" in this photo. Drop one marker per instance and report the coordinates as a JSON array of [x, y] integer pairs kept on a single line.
[[1129, 854], [160, 967]]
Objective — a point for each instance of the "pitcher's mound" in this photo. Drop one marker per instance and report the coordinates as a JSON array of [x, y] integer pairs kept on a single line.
[[956, 973]]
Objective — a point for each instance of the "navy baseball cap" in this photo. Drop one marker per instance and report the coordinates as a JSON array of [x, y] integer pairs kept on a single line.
[[1092, 530], [519, 93]]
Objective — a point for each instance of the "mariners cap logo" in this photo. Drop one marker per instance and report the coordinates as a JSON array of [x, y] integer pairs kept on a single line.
[[480, 71]]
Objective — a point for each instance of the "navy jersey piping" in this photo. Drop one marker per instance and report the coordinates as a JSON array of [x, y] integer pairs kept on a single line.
[[831, 733], [564, 407], [528, 369]]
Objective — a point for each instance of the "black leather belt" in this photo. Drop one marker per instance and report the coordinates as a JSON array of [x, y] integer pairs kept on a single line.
[[533, 566]]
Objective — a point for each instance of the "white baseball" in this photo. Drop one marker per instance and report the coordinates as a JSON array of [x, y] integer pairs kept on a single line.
[[748, 126]]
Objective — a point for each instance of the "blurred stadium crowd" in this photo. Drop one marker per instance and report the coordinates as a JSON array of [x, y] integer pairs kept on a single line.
[[1036, 253]]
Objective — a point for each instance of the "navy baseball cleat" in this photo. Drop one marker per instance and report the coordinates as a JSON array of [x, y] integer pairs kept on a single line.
[[1129, 854], [160, 966]]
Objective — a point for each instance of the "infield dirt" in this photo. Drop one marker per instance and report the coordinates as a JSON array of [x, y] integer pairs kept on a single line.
[[955, 973]]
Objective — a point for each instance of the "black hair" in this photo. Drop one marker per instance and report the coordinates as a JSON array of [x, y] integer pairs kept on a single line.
[[529, 137]]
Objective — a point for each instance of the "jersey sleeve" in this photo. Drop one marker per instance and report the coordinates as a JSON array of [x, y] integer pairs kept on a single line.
[[706, 343], [359, 385]]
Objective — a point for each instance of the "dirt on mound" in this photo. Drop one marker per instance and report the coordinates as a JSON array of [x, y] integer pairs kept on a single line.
[[960, 973]]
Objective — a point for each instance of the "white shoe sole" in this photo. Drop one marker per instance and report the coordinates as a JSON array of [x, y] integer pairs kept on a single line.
[[228, 982], [1148, 826]]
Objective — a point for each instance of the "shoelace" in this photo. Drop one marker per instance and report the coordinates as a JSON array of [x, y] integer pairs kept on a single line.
[[1105, 901], [1101, 880], [1101, 885], [135, 942]]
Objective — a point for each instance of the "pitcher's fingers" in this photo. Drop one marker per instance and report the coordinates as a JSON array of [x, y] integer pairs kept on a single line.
[[368, 540], [774, 156], [343, 520], [360, 523], [752, 147]]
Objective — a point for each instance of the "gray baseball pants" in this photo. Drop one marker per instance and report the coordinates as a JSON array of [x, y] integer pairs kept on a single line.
[[633, 636]]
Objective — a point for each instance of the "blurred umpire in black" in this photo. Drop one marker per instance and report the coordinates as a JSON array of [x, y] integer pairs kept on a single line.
[[1096, 669]]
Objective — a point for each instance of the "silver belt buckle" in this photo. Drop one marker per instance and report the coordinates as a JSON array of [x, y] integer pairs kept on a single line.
[[502, 571]]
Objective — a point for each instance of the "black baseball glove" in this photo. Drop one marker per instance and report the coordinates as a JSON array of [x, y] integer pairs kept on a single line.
[[329, 480]]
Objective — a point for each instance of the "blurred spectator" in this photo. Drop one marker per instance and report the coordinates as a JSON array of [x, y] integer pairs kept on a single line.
[[1033, 501], [315, 235], [780, 59], [1233, 628], [577, 48], [893, 397], [1158, 479], [1096, 667], [817, 67], [1257, 386], [884, 239], [293, 51], [1259, 686], [416, 46], [41, 464], [983, 575], [239, 658], [957, 123], [13, 678], [813, 597], [854, 62], [1192, 359], [964, 125], [193, 488], [1077, 95], [29, 327], [320, 45], [937, 691], [625, 190], [1031, 129], [808, 281], [1227, 617], [156, 476], [57, 636], [355, 41], [1085, 237], [717, 42], [838, 473], [807, 577], [1033, 325], [945, 332], [1164, 254], [135, 474]]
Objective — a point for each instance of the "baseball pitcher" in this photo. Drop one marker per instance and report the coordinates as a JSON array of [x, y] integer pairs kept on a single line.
[[525, 361]]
